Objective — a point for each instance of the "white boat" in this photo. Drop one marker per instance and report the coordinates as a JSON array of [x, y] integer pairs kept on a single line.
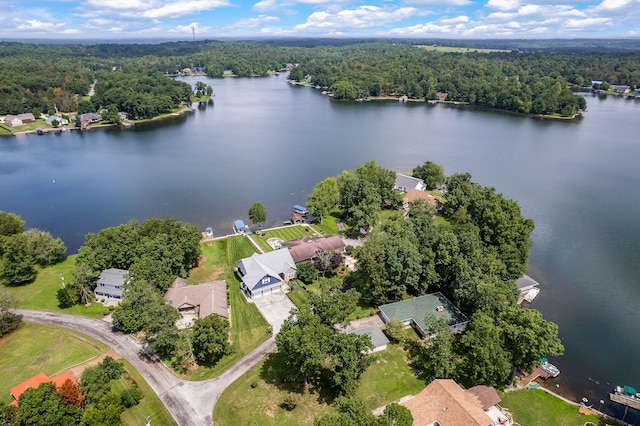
[[531, 294]]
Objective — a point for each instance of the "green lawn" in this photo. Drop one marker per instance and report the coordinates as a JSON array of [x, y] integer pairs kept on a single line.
[[5, 131], [35, 348], [41, 294], [248, 326], [539, 408], [256, 397], [299, 297], [329, 225], [285, 233]]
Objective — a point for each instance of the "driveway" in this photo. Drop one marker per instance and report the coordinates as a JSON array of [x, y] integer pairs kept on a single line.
[[190, 403], [274, 308]]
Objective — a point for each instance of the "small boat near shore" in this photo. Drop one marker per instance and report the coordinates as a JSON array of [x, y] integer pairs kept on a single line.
[[549, 368]]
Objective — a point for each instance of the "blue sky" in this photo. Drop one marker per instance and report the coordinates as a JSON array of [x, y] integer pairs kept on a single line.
[[175, 19]]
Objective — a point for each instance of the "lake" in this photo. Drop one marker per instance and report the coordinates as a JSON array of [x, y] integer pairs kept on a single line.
[[264, 140]]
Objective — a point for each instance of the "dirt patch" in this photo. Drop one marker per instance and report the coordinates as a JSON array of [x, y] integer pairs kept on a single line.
[[77, 370]]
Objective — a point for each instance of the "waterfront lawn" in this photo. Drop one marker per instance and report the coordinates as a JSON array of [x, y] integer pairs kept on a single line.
[[329, 225], [41, 293], [35, 348], [535, 407], [5, 131], [248, 326], [257, 397], [285, 233]]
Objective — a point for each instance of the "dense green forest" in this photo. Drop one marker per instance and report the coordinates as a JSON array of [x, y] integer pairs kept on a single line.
[[534, 77]]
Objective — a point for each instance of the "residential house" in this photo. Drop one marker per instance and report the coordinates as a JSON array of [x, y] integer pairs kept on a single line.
[[306, 248], [12, 120], [442, 96], [61, 121], [109, 286], [197, 301], [404, 183], [415, 194], [266, 273], [36, 381], [618, 88], [27, 118], [90, 118], [412, 312], [445, 403], [378, 338]]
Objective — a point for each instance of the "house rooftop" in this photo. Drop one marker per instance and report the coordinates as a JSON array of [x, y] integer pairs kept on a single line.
[[378, 338], [113, 276], [445, 403], [239, 224], [257, 266], [37, 380], [416, 309], [305, 248], [210, 298], [405, 183]]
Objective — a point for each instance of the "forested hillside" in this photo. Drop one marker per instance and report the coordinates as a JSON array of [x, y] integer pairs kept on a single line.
[[537, 80]]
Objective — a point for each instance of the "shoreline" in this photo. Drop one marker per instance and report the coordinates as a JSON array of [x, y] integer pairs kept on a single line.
[[125, 124]]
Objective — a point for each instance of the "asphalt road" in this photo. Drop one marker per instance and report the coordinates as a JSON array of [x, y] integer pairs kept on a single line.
[[190, 403]]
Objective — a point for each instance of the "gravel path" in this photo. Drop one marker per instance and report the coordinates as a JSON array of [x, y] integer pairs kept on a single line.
[[190, 403]]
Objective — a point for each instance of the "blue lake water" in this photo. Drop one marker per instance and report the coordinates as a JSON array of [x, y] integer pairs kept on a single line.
[[265, 140]]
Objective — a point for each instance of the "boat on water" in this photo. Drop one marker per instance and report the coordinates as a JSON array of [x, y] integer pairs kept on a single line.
[[549, 368], [531, 294], [626, 395]]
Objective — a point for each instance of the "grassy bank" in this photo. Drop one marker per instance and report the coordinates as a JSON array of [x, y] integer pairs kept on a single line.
[[257, 397]]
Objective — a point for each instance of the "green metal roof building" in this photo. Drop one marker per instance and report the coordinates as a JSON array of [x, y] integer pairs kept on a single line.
[[413, 311]]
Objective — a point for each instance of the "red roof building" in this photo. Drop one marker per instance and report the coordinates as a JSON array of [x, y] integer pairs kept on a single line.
[[36, 381]]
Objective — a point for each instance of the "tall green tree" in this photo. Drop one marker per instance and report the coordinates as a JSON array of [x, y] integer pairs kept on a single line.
[[8, 320], [258, 213], [210, 339], [42, 406], [323, 198], [437, 358], [44, 248], [331, 304], [431, 173], [143, 309], [16, 264], [10, 224]]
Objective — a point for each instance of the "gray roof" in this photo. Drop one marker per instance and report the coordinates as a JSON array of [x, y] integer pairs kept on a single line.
[[90, 116], [405, 183], [377, 336], [113, 276], [273, 263], [525, 282], [417, 308]]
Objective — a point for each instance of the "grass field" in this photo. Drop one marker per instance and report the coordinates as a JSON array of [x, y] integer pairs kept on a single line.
[[41, 294], [329, 225], [245, 404], [539, 408], [5, 131], [285, 233], [248, 327], [36, 348]]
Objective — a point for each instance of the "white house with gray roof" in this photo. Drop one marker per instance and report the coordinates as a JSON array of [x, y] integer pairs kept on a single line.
[[109, 285], [266, 273], [405, 183]]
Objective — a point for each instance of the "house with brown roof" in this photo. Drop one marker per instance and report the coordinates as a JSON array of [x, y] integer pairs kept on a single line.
[[415, 194], [306, 247], [442, 96], [197, 301], [36, 381], [445, 403]]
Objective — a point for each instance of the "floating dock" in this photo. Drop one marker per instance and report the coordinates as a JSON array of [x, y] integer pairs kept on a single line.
[[626, 395]]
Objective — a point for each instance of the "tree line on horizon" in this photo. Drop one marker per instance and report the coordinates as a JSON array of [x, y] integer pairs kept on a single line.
[[539, 81]]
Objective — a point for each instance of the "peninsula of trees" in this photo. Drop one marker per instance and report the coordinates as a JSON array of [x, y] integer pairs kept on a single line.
[[133, 78]]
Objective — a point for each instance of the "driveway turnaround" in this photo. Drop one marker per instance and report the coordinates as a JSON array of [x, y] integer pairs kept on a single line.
[[190, 403], [275, 308]]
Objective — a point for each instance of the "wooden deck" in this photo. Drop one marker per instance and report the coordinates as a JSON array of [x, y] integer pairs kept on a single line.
[[536, 373]]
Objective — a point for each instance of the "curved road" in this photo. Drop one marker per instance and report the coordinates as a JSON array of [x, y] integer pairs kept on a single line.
[[190, 403]]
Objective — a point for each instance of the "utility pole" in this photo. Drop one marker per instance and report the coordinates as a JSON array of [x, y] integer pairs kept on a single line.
[[193, 31]]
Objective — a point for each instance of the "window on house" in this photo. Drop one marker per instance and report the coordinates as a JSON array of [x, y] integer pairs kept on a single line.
[[292, 274], [266, 280]]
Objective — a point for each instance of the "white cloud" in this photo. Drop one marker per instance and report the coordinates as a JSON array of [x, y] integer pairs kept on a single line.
[[362, 17], [457, 20], [614, 4], [503, 4], [587, 23], [257, 22], [35, 25], [156, 8], [438, 3]]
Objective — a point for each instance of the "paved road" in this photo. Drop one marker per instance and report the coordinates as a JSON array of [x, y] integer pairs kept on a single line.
[[190, 403]]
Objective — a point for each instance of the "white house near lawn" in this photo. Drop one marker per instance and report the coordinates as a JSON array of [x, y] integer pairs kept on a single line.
[[109, 285], [266, 273], [405, 183]]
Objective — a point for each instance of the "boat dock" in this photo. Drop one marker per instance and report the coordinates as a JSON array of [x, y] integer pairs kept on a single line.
[[626, 396]]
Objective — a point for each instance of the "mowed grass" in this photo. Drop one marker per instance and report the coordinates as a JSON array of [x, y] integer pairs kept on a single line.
[[539, 408], [329, 225], [150, 407], [257, 397], [5, 131], [41, 293], [248, 326], [285, 233], [35, 348]]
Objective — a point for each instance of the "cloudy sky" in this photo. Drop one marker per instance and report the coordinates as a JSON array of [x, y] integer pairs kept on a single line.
[[176, 19]]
